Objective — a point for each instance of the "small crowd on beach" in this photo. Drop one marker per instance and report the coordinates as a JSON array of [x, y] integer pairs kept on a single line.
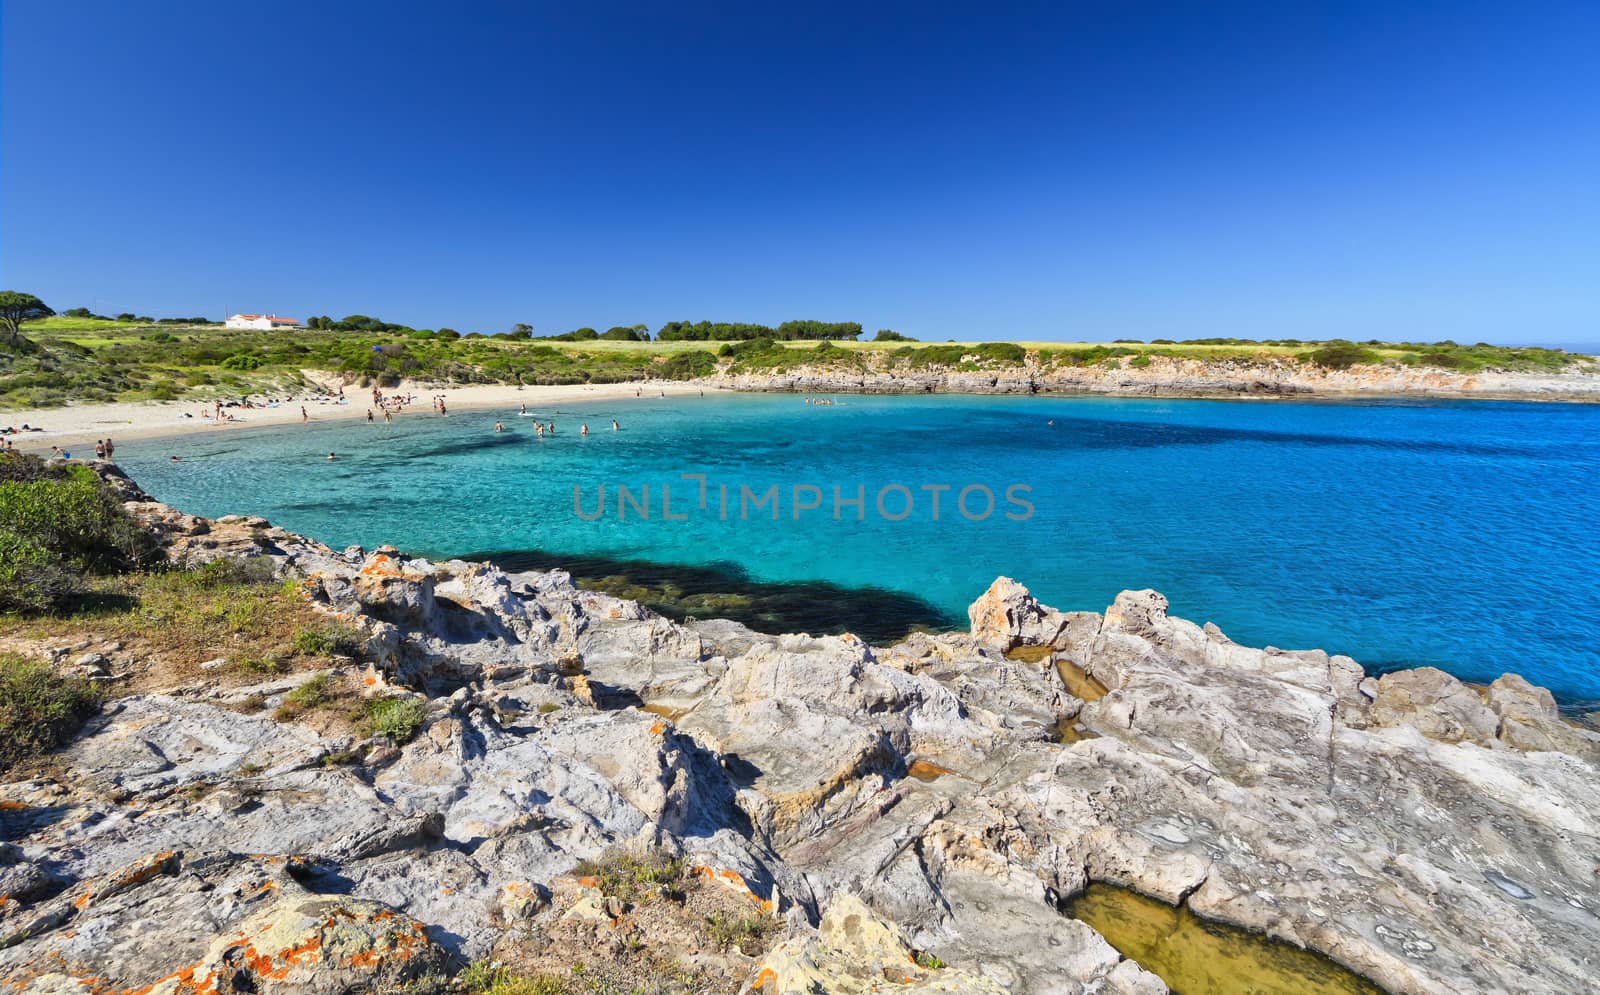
[[104, 449]]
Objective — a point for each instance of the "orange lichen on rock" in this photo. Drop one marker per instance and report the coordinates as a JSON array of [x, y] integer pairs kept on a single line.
[[734, 880], [381, 565]]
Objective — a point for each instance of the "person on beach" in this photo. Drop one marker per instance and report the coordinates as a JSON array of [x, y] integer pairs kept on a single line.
[[370, 419], [388, 416], [111, 449], [99, 449], [303, 416]]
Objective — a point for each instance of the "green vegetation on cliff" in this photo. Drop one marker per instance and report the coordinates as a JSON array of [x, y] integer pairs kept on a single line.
[[38, 709], [59, 525]]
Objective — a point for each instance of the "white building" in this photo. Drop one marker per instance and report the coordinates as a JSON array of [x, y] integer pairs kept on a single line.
[[267, 321]]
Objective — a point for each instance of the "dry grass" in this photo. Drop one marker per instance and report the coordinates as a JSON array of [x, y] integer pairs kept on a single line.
[[169, 622]]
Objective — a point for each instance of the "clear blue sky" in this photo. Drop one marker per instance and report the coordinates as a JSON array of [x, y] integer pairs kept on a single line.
[[1071, 170]]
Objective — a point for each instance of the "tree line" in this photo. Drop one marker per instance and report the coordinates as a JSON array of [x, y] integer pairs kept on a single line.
[[672, 331]]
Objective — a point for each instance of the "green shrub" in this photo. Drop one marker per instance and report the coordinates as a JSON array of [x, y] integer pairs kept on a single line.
[[57, 524], [739, 932], [689, 365], [326, 640], [629, 876], [313, 694], [1341, 355], [38, 709], [480, 978], [271, 663], [398, 718]]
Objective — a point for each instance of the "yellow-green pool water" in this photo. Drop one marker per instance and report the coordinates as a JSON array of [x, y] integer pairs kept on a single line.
[[1195, 956]]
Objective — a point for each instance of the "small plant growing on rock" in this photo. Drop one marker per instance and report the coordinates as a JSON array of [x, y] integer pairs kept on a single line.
[[308, 697], [38, 710], [326, 640], [342, 758], [743, 933], [631, 877], [271, 663], [398, 718], [481, 978]]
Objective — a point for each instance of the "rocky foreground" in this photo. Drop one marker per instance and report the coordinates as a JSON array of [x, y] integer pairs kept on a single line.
[[909, 818]]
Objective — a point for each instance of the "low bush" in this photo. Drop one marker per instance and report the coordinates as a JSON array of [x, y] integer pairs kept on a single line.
[[313, 694], [630, 876], [398, 718], [480, 978], [38, 709], [58, 524], [1341, 355], [327, 639], [744, 933]]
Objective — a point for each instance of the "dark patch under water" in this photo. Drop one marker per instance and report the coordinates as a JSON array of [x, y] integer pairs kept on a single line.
[[726, 591]]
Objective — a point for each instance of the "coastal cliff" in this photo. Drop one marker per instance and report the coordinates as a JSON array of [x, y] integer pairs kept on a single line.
[[1167, 376], [911, 816]]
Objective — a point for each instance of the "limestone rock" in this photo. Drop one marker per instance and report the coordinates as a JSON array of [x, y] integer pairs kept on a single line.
[[854, 952], [1435, 704], [939, 796]]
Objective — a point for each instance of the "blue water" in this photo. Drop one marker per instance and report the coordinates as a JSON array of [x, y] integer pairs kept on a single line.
[[1460, 535]]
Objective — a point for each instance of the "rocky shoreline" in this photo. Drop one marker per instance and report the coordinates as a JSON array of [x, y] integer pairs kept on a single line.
[[1171, 377], [914, 814]]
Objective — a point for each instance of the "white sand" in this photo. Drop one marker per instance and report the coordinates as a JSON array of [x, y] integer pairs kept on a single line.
[[78, 426]]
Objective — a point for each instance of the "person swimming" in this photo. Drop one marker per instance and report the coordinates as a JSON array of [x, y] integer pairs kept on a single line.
[[499, 427], [331, 456], [614, 426], [584, 430]]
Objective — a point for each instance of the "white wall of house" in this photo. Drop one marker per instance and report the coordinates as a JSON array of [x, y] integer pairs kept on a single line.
[[264, 321]]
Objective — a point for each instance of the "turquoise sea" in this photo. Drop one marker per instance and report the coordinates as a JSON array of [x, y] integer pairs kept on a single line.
[[1457, 534]]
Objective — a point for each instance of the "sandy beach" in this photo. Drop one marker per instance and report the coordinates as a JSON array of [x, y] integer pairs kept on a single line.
[[80, 425]]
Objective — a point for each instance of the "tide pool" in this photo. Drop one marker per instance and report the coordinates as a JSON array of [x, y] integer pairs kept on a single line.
[[1456, 534]]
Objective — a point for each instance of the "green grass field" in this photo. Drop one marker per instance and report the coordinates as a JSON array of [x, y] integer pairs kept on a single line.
[[62, 323]]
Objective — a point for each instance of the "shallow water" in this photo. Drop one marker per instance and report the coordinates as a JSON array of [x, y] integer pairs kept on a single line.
[[1457, 534], [1195, 956]]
